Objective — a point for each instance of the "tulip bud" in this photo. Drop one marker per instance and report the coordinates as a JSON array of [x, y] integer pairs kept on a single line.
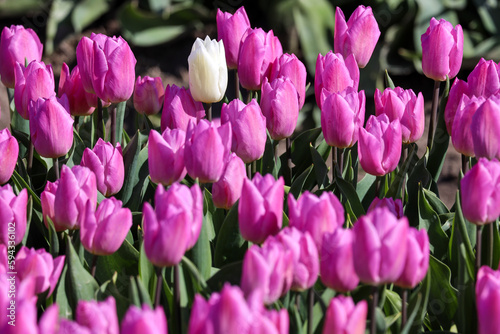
[[179, 108], [461, 135], [17, 45], [358, 36], [166, 150], [81, 103], [394, 205], [51, 126], [342, 316], [484, 80], [207, 70], [230, 29], [227, 190], [248, 127], [144, 320], [289, 66], [487, 300], [485, 127], [480, 192], [106, 162], [260, 209], [264, 320], [148, 95], [9, 150], [99, 317], [417, 259], [341, 117], [457, 90], [13, 215], [442, 50]]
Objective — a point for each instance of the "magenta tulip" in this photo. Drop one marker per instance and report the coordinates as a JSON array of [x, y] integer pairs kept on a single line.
[[484, 80], [49, 321], [417, 259], [179, 107], [357, 36], [23, 319], [13, 210], [148, 95], [342, 115], [17, 45], [485, 127], [381, 245], [166, 149], [260, 209], [442, 50], [343, 316], [457, 90], [394, 205], [99, 317], [488, 300], [9, 150], [249, 129], [227, 190], [264, 320], [107, 164], [230, 29], [144, 320], [81, 103], [289, 66], [461, 135]]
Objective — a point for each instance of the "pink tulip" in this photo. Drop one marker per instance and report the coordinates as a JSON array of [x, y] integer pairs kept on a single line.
[[337, 262], [480, 192], [148, 95], [334, 74], [485, 127], [166, 149], [379, 146], [316, 215], [227, 190], [12, 215], [343, 316], [144, 320], [51, 126], [230, 29], [107, 164], [174, 226], [24, 319], [289, 66], [394, 205], [484, 80], [99, 317], [357, 36], [417, 259], [207, 148], [32, 82], [81, 103], [17, 45], [68, 326], [341, 117], [457, 90], [9, 150], [260, 209], [461, 136], [488, 300], [179, 107], [442, 50], [4, 264], [381, 245], [264, 320], [249, 129], [49, 322], [405, 106], [258, 51]]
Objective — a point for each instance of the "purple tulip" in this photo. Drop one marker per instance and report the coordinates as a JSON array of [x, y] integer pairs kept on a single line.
[[357, 36], [381, 244], [99, 317], [230, 29], [25, 307], [260, 209], [9, 150], [166, 149], [249, 129], [81, 103], [17, 45], [488, 300], [417, 259], [457, 90], [107, 164], [227, 190], [461, 135], [49, 321], [343, 316], [484, 80], [442, 50], [13, 211], [179, 107], [264, 320], [485, 127], [289, 66], [148, 95], [394, 205], [144, 320], [341, 117]]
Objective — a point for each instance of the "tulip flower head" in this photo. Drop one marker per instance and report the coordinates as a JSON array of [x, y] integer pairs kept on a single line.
[[148, 95], [9, 150], [457, 91], [417, 259], [394, 205], [289, 66], [230, 29], [343, 316], [461, 135], [485, 127], [166, 149], [98, 317], [227, 190], [179, 107], [144, 320], [13, 213], [81, 103], [487, 299]]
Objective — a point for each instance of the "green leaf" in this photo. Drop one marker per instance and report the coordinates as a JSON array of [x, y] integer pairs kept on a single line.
[[138, 293], [301, 154], [320, 168], [120, 116], [146, 269], [87, 12], [417, 307], [406, 168], [437, 205], [196, 276], [201, 253], [61, 298], [230, 273], [300, 182], [352, 197], [230, 245], [388, 81], [53, 238]]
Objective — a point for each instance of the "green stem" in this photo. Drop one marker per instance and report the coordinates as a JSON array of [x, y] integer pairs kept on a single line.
[[465, 164], [479, 237], [208, 110], [249, 171], [491, 244], [55, 163], [31, 150], [236, 84], [404, 301], [100, 128], [93, 266], [340, 159], [373, 311], [433, 121], [310, 310], [159, 281], [288, 169], [112, 115], [177, 300]]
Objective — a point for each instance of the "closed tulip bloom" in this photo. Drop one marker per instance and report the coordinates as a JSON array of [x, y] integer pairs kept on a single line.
[[99, 317], [485, 127], [148, 95], [341, 117], [106, 162], [334, 74], [49, 321], [32, 82], [280, 106], [484, 80], [264, 320], [394, 205], [25, 306], [249, 129], [457, 91], [207, 148], [207, 70], [51, 126], [405, 106], [81, 103], [357, 36], [289, 66], [9, 150], [442, 50], [381, 245], [227, 190], [316, 215], [417, 259], [258, 51], [166, 149], [480, 192], [260, 209], [461, 136], [230, 29], [144, 320], [488, 300], [179, 107], [379, 147], [17, 45], [337, 262], [13, 211], [343, 316], [38, 264]]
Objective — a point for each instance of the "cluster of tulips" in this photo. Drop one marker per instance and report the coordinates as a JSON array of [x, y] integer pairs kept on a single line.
[[214, 189]]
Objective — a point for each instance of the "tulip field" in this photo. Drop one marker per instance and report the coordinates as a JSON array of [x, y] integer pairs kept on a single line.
[[213, 212]]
